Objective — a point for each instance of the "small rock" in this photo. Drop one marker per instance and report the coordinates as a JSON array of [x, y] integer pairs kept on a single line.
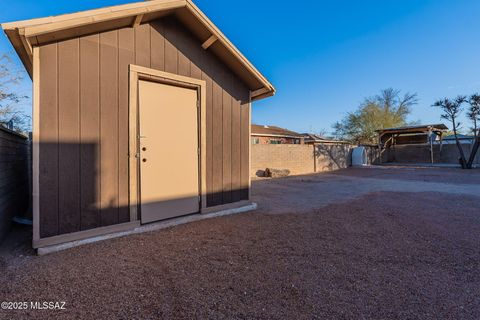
[[276, 173]]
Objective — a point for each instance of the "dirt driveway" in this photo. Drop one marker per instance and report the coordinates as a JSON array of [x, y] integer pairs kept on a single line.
[[356, 244]]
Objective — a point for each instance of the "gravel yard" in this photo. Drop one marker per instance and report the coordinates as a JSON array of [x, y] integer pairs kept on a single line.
[[388, 243]]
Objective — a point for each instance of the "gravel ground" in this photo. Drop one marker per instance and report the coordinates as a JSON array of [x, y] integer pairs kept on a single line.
[[310, 192], [382, 255], [412, 173]]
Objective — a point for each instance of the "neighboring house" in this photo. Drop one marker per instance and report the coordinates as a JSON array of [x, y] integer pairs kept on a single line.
[[262, 134], [103, 157], [310, 138]]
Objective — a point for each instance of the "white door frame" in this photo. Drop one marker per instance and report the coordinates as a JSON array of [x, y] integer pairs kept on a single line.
[[137, 73]]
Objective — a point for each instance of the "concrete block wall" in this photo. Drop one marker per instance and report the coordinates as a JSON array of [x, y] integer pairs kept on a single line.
[[421, 154], [332, 157], [14, 178], [299, 159], [374, 154]]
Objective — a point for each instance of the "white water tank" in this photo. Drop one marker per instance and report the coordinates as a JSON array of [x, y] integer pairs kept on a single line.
[[359, 157]]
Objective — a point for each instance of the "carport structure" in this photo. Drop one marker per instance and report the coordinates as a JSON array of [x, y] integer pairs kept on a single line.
[[388, 138]]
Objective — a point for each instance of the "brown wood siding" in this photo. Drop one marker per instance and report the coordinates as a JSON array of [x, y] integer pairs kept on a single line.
[[69, 132], [89, 131], [84, 122], [48, 144], [209, 124], [245, 148], [227, 142], [236, 154], [157, 46], [217, 140], [142, 45], [109, 128], [126, 56]]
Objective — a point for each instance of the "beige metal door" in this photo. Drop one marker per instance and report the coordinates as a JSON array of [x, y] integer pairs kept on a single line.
[[169, 161]]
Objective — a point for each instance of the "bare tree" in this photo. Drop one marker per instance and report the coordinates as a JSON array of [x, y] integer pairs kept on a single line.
[[10, 114], [474, 115], [451, 110]]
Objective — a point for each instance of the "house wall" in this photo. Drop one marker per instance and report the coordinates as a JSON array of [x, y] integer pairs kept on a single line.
[[268, 140], [83, 125], [14, 182]]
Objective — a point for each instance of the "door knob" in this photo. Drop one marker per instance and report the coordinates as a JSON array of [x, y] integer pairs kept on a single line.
[[144, 149], [144, 160]]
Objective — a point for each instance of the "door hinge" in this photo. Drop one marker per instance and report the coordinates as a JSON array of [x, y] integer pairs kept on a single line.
[[198, 103]]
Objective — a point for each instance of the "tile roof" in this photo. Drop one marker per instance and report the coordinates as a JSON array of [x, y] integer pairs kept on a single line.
[[264, 130]]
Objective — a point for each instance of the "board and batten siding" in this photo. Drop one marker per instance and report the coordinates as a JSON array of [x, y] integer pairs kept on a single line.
[[83, 125]]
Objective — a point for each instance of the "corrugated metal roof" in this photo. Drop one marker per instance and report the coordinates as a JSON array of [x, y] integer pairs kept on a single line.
[[416, 128], [460, 136], [316, 138]]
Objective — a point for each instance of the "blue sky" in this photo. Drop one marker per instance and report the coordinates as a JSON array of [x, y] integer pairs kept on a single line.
[[324, 57]]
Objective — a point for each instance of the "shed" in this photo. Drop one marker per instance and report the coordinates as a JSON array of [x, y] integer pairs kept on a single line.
[[141, 112]]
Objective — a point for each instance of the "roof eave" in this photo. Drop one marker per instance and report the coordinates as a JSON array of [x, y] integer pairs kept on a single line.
[[266, 92], [21, 33], [270, 90], [44, 25], [22, 48]]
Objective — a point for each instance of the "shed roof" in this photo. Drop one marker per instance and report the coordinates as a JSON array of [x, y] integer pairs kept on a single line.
[[439, 127], [24, 35], [273, 131]]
